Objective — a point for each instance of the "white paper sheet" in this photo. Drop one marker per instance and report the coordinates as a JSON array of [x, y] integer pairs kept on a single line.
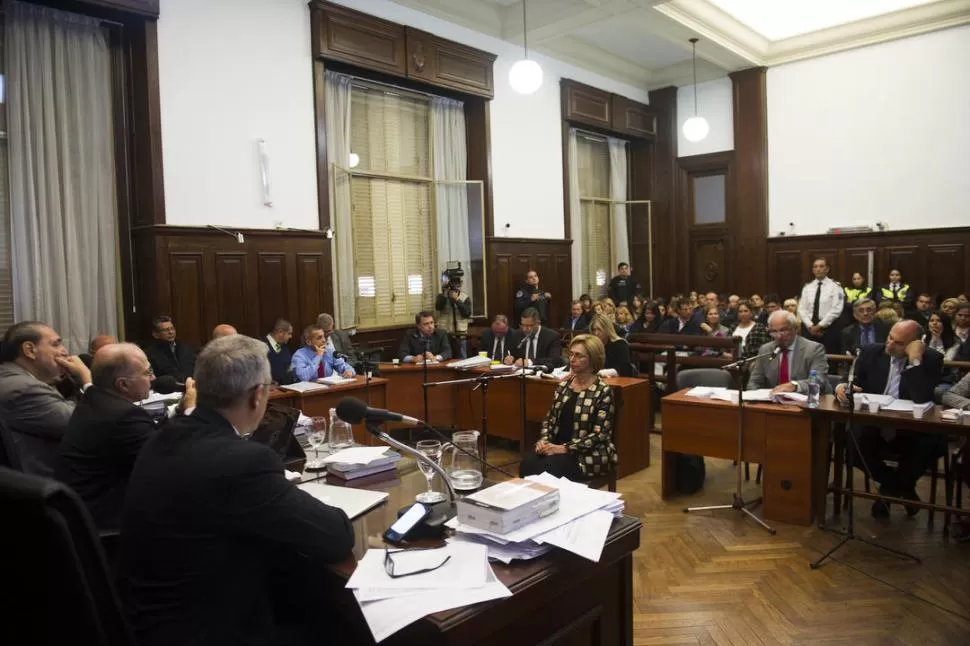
[[304, 387], [585, 536], [387, 616], [335, 380], [901, 405], [354, 502], [467, 568], [357, 455], [506, 553]]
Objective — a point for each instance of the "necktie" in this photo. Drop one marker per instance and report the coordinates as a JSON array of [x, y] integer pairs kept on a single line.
[[815, 306], [498, 351], [532, 349], [892, 382], [867, 335], [321, 370], [783, 372]]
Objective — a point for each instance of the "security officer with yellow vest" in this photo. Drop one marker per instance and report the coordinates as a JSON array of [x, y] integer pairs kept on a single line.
[[896, 291], [857, 290], [453, 308]]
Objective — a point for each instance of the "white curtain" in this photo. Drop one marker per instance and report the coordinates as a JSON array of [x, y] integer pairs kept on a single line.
[[575, 213], [451, 208], [63, 199], [621, 240], [337, 98]]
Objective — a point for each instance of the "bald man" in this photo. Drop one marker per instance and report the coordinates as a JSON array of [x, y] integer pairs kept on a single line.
[[107, 430], [903, 369], [223, 329], [96, 344]]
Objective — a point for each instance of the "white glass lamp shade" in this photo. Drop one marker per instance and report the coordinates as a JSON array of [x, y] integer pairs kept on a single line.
[[525, 77], [354, 160], [696, 128]]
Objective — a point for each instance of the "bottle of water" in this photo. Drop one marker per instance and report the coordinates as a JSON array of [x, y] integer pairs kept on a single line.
[[813, 390]]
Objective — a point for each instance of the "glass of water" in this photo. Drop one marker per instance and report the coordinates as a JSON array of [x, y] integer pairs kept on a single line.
[[430, 449], [317, 437]]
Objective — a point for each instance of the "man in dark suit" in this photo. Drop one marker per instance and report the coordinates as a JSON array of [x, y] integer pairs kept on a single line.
[[210, 521], [499, 341], [790, 369], [538, 345], [683, 322], [424, 343], [168, 357], [924, 308], [107, 430], [278, 351], [96, 344], [902, 369], [866, 330], [34, 413], [578, 321]]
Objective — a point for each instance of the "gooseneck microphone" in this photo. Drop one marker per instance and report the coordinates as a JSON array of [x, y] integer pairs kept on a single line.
[[354, 411]]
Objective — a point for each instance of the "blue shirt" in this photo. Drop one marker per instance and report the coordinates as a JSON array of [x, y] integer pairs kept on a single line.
[[306, 364]]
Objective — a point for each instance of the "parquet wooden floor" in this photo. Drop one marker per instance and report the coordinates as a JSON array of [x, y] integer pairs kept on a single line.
[[716, 578]]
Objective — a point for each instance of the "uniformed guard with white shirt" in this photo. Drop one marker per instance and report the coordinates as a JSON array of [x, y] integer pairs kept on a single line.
[[820, 307]]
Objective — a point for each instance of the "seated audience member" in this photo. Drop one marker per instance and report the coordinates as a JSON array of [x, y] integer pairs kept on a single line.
[[578, 321], [711, 326], [223, 329], [939, 336], [790, 369], [96, 344], [649, 320], [500, 341], [168, 357], [278, 352], [949, 307], [617, 361], [887, 313], [107, 431], [577, 432], [538, 345], [729, 317], [900, 368], [337, 340], [34, 413], [636, 306], [424, 342], [753, 333], [210, 521], [791, 305], [315, 361], [866, 330], [959, 397], [587, 302], [757, 305], [961, 322], [682, 321], [924, 307], [624, 320]]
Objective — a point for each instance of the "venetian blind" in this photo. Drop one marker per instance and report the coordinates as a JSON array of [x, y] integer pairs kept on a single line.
[[594, 184], [6, 291], [391, 206]]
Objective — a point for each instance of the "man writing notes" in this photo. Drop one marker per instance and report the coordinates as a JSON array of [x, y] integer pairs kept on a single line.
[[789, 369], [499, 341], [213, 536], [314, 360], [820, 306], [902, 369], [424, 342]]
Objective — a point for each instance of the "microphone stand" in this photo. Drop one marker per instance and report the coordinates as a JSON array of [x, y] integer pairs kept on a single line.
[[738, 502], [849, 533]]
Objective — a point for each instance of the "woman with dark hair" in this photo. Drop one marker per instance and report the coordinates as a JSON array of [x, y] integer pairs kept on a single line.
[[649, 320], [940, 337], [753, 334]]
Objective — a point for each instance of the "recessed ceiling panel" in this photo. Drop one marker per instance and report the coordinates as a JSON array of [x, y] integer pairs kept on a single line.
[[620, 38]]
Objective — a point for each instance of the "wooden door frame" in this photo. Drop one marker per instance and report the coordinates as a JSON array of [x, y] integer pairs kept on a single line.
[[701, 166]]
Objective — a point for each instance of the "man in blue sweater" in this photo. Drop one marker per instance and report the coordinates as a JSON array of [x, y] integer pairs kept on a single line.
[[279, 352], [315, 360]]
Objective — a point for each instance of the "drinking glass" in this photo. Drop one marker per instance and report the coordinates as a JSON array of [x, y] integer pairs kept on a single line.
[[317, 437], [431, 449]]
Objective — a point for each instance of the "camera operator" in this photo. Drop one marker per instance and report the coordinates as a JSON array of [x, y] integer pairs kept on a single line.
[[453, 309]]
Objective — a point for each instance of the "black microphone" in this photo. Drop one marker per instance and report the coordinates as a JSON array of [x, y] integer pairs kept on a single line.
[[341, 355], [167, 385], [354, 411]]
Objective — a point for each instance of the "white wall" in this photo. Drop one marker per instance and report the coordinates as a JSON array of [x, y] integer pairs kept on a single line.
[[873, 134], [225, 84], [716, 104]]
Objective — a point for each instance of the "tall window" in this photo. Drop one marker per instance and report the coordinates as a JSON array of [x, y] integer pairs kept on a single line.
[[595, 203]]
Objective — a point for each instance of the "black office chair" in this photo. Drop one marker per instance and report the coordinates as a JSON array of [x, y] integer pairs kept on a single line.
[[55, 568], [8, 452]]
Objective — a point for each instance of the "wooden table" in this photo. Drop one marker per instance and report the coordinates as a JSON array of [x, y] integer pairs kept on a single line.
[[319, 402], [777, 436], [630, 434], [557, 599]]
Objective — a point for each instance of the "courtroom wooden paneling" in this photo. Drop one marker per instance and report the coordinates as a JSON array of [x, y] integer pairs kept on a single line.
[[346, 35], [933, 260], [203, 277], [511, 258], [448, 64], [633, 119], [712, 259], [585, 105], [669, 231], [751, 181]]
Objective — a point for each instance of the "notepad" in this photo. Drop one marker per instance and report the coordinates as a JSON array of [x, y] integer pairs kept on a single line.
[[354, 502]]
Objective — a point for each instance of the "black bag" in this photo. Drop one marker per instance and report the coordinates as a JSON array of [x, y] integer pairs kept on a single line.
[[690, 473], [276, 431]]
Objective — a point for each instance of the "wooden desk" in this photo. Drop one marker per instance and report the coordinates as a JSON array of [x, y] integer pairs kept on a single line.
[[405, 394], [630, 434], [319, 402], [557, 599], [776, 436]]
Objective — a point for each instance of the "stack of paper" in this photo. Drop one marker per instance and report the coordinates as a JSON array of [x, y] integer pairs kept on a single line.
[[304, 387], [357, 455], [579, 526], [335, 380], [389, 604]]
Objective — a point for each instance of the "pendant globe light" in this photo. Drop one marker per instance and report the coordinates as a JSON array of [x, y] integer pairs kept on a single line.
[[525, 77], [695, 128]]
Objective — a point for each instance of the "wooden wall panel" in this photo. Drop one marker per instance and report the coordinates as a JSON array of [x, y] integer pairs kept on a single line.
[[669, 232], [310, 296], [511, 258], [231, 283], [932, 260], [586, 105], [346, 35], [188, 294], [271, 287]]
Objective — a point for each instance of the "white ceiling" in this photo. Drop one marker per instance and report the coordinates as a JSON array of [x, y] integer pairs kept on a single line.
[[645, 42]]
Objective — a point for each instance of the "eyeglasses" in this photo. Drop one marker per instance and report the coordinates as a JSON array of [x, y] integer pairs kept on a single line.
[[389, 561]]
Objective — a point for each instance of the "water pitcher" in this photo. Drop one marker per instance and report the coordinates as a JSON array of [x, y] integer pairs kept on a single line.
[[464, 467]]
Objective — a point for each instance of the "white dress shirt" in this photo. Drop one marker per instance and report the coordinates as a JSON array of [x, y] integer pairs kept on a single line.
[[829, 307]]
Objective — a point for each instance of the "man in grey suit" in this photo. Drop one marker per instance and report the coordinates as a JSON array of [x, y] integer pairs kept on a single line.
[[338, 340], [789, 369], [34, 413]]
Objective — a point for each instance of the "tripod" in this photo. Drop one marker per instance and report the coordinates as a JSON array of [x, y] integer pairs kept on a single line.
[[738, 502], [849, 533]]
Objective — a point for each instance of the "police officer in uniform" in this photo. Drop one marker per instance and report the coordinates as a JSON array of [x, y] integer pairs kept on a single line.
[[856, 291], [820, 307], [897, 291], [454, 309], [531, 295]]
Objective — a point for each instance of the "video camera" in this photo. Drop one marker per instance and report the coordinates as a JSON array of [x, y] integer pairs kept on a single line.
[[452, 275]]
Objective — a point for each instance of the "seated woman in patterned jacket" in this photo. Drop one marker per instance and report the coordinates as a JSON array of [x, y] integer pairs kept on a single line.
[[577, 433]]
